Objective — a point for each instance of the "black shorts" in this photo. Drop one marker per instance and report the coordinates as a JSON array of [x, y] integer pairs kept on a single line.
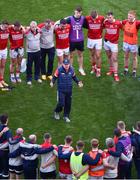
[[48, 175], [77, 46], [16, 169]]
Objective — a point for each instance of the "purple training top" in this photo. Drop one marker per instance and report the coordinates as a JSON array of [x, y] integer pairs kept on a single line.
[[76, 34]]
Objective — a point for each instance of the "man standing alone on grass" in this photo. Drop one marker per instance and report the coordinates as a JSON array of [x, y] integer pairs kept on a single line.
[[65, 74]]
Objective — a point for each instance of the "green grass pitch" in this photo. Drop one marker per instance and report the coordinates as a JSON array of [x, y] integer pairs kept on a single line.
[[97, 106]]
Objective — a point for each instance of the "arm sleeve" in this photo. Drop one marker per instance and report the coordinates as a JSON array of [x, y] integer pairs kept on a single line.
[[55, 76], [68, 20], [138, 24], [90, 161], [61, 155], [85, 24], [75, 79], [15, 154], [44, 150], [3, 145], [54, 79], [15, 141], [8, 135], [119, 150]]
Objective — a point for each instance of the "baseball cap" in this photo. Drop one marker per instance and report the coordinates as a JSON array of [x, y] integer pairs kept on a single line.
[[66, 62]]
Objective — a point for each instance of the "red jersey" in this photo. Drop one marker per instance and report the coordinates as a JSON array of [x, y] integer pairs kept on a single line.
[[112, 31], [95, 27], [4, 35], [16, 38], [64, 164], [62, 37]]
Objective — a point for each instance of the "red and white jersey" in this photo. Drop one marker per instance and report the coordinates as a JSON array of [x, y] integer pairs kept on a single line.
[[4, 35], [95, 27], [62, 37], [64, 164], [112, 30], [16, 38]]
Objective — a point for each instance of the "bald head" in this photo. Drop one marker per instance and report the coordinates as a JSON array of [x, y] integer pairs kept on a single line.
[[110, 142], [32, 138], [19, 131]]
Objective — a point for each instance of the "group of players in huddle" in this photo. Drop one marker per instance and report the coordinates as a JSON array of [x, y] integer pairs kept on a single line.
[[18, 155], [69, 39]]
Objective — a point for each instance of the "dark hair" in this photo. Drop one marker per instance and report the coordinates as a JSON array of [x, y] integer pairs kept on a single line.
[[3, 118], [63, 21], [110, 13], [68, 139], [94, 13], [48, 21], [78, 8], [5, 22], [47, 136], [138, 125], [17, 23], [117, 132], [80, 144]]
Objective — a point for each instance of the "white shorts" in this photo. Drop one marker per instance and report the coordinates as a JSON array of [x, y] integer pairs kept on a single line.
[[108, 46], [3, 54], [14, 53], [61, 52], [129, 47], [65, 176], [94, 43]]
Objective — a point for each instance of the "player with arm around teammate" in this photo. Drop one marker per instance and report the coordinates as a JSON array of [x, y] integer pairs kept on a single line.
[[94, 42], [64, 164], [16, 50], [112, 29], [62, 31], [4, 35]]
